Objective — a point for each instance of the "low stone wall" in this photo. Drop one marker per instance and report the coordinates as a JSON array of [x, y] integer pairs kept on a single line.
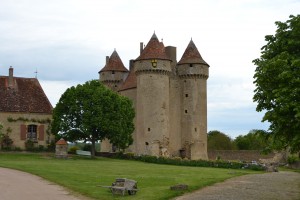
[[241, 155]]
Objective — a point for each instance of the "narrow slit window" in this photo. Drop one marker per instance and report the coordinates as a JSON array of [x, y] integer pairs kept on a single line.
[[113, 72], [148, 129], [185, 111], [195, 129], [186, 95], [191, 65]]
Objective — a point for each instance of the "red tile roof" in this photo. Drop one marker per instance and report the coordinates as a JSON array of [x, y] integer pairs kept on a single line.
[[26, 95], [154, 50], [61, 142], [191, 55], [114, 64], [130, 81]]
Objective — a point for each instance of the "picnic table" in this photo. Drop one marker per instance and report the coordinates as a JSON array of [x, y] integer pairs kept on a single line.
[[123, 185]]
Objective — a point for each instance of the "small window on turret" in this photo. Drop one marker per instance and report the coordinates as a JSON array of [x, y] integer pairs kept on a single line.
[[186, 95], [113, 72], [185, 111], [195, 129], [148, 129], [191, 65]]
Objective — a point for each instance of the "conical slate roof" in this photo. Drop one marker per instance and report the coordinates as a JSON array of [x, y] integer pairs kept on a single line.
[[154, 50], [191, 55], [114, 64]]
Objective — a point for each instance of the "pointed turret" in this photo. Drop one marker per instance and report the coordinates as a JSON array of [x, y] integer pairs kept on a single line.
[[114, 72], [193, 72], [154, 50], [192, 63], [152, 69], [114, 63], [191, 55]]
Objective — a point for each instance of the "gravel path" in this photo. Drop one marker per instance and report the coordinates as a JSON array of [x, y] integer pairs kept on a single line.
[[16, 185], [268, 186]]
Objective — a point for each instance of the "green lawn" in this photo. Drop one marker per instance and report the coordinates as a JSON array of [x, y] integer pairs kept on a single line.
[[84, 175]]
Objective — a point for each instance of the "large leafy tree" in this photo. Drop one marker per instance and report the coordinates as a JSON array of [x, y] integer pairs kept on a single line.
[[254, 140], [277, 80], [217, 140], [92, 112]]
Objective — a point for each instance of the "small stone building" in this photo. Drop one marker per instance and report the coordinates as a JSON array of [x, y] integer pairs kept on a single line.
[[170, 99], [25, 111]]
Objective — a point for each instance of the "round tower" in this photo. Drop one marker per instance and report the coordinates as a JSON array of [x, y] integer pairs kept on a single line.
[[114, 73], [152, 69], [193, 73]]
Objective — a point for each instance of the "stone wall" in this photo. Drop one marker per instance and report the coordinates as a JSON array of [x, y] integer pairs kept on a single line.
[[25, 119], [242, 155]]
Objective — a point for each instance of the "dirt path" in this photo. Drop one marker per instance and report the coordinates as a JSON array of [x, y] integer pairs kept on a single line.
[[269, 186], [15, 185]]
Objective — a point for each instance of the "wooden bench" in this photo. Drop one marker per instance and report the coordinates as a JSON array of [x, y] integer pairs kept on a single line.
[[83, 153], [123, 185]]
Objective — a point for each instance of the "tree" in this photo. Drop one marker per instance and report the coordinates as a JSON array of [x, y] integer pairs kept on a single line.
[[5, 141], [254, 140], [92, 112], [217, 140], [277, 81]]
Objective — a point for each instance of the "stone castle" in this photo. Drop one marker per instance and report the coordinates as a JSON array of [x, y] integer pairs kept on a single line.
[[170, 99]]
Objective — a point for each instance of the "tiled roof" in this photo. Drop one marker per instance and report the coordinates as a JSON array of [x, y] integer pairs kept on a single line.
[[154, 49], [26, 95], [130, 81], [191, 55], [61, 142], [114, 64]]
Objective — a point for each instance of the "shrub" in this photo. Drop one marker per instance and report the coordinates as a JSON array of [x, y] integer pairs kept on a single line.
[[29, 145], [73, 150], [292, 159], [186, 162]]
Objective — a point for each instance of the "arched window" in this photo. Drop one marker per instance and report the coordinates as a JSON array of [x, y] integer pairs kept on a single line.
[[32, 132]]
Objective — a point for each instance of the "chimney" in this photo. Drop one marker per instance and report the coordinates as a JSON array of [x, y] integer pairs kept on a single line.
[[171, 52], [131, 65], [141, 47], [107, 59], [11, 77]]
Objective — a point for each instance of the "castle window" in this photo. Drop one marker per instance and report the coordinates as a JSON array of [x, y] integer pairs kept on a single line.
[[146, 143], [115, 85], [185, 111], [195, 129], [148, 129], [186, 95], [191, 65], [31, 132], [113, 72]]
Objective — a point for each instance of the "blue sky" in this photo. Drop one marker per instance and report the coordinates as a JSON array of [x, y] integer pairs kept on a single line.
[[66, 41]]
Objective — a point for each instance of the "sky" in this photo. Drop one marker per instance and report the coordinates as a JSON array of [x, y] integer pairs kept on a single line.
[[66, 42]]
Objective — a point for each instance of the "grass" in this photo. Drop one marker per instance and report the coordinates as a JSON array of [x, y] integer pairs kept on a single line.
[[84, 175]]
